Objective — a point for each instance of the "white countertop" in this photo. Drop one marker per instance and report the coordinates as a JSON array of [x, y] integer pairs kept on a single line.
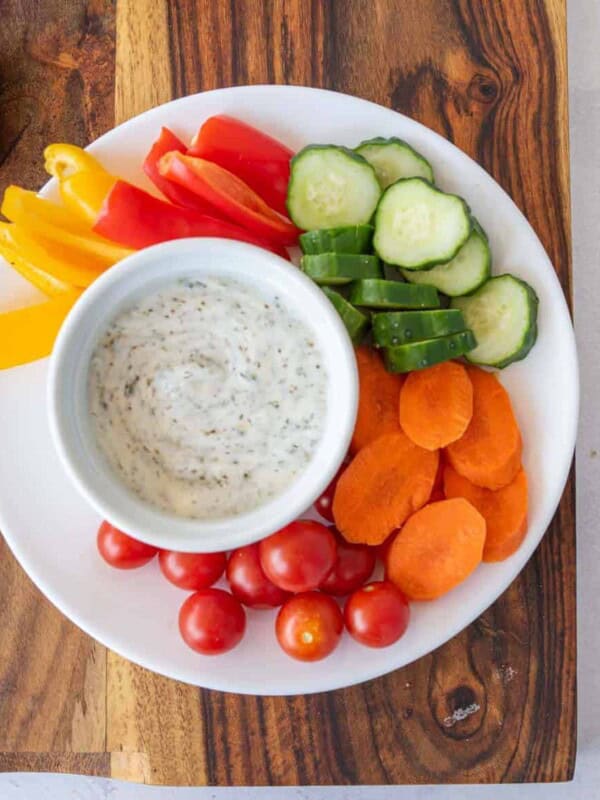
[[584, 85]]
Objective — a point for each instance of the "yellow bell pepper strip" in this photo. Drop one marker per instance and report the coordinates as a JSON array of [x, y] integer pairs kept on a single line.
[[62, 160], [41, 218], [64, 264], [29, 333], [43, 281], [83, 193]]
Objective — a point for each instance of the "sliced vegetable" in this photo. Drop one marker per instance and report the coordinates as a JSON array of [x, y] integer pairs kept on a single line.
[[393, 159], [355, 321], [418, 226], [29, 333], [469, 268], [503, 316], [134, 217], [375, 293], [489, 452], [43, 281], [350, 239], [436, 549], [259, 160], [229, 195], [62, 160], [43, 220], [331, 187], [378, 398], [83, 193], [403, 327], [167, 142], [408, 357], [505, 511], [335, 269], [384, 484], [436, 405], [65, 265]]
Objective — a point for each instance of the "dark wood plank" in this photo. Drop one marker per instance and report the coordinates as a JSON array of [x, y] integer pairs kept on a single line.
[[492, 78], [56, 83]]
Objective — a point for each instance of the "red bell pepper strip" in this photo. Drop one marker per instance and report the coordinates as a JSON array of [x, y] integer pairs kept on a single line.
[[133, 217], [229, 194], [259, 160], [167, 142]]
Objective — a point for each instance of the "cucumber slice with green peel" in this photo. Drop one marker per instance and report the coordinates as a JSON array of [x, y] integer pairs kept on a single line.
[[375, 293], [419, 355], [333, 269], [355, 321], [503, 316], [349, 239], [418, 226], [331, 187], [393, 159], [403, 327], [467, 271]]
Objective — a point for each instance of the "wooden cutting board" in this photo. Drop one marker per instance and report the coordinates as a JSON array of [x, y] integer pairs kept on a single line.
[[497, 703]]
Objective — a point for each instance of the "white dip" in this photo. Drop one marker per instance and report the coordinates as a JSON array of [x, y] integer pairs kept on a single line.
[[207, 398]]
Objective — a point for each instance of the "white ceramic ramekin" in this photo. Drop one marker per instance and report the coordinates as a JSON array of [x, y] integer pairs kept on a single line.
[[117, 289]]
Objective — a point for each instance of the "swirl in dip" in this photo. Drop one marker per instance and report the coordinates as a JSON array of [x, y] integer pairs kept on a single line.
[[207, 397]]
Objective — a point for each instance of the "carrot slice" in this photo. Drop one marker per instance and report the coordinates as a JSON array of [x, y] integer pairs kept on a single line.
[[437, 493], [379, 391], [436, 549], [386, 481], [436, 405], [505, 511], [489, 453]]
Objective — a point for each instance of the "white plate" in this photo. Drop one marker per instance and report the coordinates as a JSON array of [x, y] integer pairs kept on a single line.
[[51, 529]]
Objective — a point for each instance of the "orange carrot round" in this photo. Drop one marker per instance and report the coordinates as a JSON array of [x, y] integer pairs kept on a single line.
[[379, 391], [436, 405], [505, 511], [489, 452], [437, 549], [382, 486]]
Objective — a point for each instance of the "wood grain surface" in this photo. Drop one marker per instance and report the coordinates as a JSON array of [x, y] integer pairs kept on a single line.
[[491, 77]]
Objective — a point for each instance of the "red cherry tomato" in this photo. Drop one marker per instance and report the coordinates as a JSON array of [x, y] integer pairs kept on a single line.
[[324, 503], [248, 581], [192, 571], [353, 566], [377, 615], [212, 621], [298, 557], [309, 626], [122, 551]]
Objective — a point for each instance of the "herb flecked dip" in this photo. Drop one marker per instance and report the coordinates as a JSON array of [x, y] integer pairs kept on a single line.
[[207, 397]]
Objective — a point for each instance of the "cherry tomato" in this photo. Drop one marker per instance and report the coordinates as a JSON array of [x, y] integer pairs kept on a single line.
[[298, 557], [324, 503], [248, 581], [309, 626], [192, 571], [122, 551], [353, 566], [377, 615], [212, 621]]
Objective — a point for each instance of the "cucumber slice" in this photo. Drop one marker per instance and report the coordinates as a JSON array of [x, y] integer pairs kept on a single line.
[[355, 321], [403, 327], [468, 270], [392, 294], [339, 268], [503, 316], [331, 187], [419, 355], [418, 226], [393, 159], [350, 239]]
